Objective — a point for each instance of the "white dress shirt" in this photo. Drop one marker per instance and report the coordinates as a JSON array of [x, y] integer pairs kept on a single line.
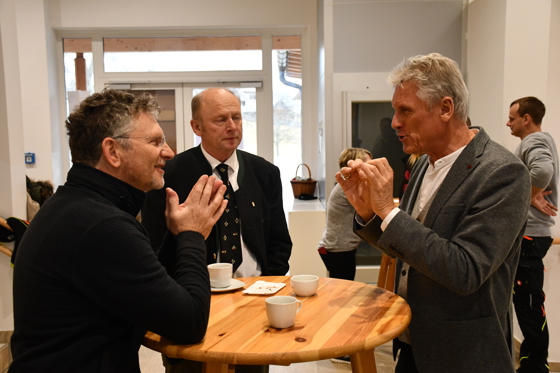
[[434, 176]]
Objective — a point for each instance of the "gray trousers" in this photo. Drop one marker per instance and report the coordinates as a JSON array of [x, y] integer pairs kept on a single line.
[[191, 366]]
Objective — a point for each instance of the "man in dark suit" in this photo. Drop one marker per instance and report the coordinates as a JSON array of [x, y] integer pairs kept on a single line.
[[257, 190], [458, 229]]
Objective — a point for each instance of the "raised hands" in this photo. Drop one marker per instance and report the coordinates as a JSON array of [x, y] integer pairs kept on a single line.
[[200, 211], [368, 186]]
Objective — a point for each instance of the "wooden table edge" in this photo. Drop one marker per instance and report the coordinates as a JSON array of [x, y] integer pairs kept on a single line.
[[152, 341]]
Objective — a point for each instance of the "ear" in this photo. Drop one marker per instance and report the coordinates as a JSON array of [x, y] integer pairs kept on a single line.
[[527, 119], [447, 108], [197, 129], [111, 152]]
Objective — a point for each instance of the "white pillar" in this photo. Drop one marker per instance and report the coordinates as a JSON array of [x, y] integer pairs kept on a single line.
[[38, 85], [12, 166]]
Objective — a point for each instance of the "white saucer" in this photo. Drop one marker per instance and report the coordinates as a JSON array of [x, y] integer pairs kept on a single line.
[[235, 284]]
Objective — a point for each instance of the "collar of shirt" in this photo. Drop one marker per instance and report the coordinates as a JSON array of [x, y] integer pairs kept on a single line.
[[435, 174], [232, 162]]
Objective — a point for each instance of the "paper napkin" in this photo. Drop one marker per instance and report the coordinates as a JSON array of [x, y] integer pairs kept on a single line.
[[263, 287]]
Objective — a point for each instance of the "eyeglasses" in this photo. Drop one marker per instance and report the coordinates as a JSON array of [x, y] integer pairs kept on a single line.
[[154, 140]]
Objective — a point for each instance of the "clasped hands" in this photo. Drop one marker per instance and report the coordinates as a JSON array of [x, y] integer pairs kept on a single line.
[[368, 187], [200, 211]]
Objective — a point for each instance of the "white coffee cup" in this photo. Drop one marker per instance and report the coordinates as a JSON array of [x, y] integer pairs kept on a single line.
[[304, 285], [220, 274], [281, 311]]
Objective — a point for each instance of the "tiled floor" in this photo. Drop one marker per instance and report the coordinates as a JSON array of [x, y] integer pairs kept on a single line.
[[150, 362]]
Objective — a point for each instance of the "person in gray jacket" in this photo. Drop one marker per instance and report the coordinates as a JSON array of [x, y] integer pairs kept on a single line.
[[339, 243], [458, 229], [538, 151]]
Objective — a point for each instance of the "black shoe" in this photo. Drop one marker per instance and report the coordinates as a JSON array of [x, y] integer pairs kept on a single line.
[[342, 359]]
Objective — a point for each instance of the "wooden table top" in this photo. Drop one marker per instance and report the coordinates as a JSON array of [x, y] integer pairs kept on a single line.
[[342, 318]]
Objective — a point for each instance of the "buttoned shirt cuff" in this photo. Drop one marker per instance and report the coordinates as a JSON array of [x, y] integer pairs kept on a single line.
[[389, 217]]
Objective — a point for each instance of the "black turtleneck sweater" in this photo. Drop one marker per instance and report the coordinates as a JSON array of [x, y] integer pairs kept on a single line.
[[87, 284]]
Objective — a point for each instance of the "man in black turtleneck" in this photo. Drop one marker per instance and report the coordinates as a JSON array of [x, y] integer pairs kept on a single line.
[[87, 283]]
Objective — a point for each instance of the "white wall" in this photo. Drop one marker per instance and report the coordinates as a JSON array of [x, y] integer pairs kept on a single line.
[[145, 14], [551, 120], [485, 54], [514, 51], [372, 36], [12, 181], [324, 72], [525, 71], [31, 36], [369, 39]]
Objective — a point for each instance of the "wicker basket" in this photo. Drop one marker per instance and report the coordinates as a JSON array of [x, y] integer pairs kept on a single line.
[[303, 186]]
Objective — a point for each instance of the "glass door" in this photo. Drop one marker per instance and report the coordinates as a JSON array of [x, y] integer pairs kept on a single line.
[[170, 100], [248, 98], [175, 117]]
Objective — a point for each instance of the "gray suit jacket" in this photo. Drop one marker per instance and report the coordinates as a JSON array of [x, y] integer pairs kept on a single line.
[[463, 259]]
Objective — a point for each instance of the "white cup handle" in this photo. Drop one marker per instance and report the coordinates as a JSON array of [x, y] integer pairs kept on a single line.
[[299, 306]]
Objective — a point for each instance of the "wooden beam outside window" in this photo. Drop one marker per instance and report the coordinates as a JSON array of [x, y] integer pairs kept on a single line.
[[77, 45], [207, 43]]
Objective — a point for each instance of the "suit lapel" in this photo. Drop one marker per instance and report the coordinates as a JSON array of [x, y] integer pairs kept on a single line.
[[413, 189], [461, 169], [201, 165], [241, 171]]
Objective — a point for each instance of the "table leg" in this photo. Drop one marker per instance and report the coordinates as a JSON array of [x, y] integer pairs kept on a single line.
[[363, 362], [217, 367]]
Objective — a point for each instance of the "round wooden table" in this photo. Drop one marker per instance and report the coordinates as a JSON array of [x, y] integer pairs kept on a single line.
[[342, 318]]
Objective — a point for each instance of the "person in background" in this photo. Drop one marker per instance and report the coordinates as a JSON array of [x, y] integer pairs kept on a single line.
[[259, 243], [455, 261], [87, 283], [338, 245], [537, 151], [409, 162]]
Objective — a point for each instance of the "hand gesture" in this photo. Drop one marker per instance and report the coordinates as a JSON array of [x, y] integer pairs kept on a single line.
[[380, 179], [200, 211], [541, 204], [355, 186]]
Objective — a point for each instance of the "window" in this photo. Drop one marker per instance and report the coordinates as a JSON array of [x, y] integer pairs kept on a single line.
[[271, 95], [78, 70], [231, 53], [287, 89]]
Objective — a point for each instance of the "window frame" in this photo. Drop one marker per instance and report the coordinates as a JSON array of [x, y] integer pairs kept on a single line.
[[265, 146]]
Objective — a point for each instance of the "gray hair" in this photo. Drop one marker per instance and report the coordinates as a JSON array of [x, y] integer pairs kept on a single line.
[[436, 77], [110, 113]]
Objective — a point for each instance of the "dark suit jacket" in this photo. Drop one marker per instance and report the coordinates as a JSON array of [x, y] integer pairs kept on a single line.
[[463, 259], [259, 200]]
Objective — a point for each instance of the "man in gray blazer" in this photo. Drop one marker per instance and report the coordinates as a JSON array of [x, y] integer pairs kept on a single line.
[[458, 229]]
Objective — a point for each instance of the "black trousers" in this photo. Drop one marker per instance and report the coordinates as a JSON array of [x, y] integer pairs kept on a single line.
[[339, 264], [528, 300], [406, 362], [190, 366]]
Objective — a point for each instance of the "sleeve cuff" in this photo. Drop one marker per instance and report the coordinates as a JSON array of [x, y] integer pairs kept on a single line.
[[389, 217]]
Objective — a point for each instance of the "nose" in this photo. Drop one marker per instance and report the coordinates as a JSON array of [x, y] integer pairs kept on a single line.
[[166, 152], [395, 123], [232, 124]]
